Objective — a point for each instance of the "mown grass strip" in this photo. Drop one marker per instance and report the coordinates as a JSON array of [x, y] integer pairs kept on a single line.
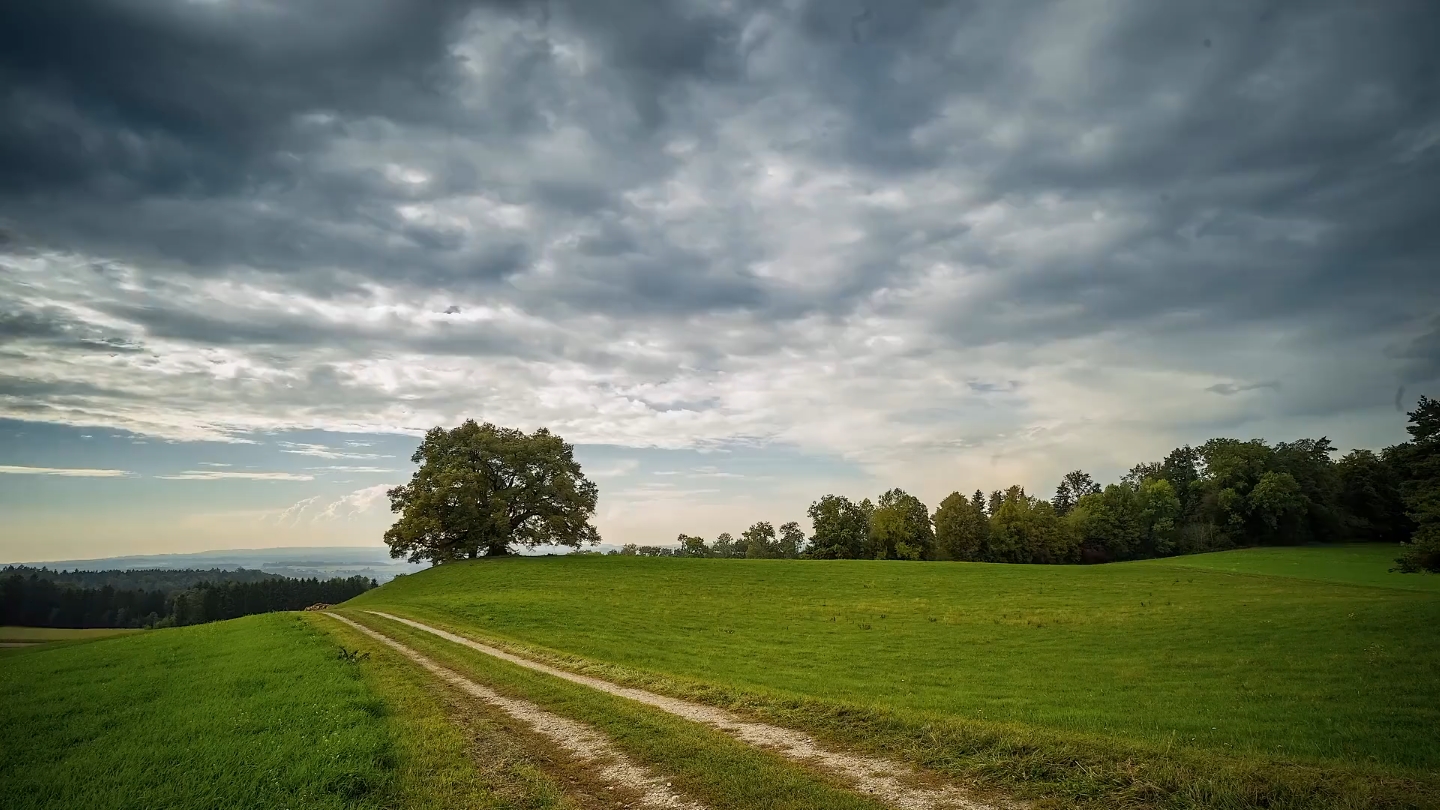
[[706, 764], [1053, 770]]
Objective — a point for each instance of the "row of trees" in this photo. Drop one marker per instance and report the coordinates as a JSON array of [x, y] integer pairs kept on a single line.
[[36, 601], [482, 490], [1224, 494]]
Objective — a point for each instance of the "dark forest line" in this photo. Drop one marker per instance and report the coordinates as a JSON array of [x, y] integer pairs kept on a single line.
[[141, 579], [36, 601]]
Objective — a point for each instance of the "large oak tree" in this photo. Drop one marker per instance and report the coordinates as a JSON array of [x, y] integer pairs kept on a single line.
[[484, 490]]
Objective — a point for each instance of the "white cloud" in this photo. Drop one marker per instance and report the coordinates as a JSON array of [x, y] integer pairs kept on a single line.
[[291, 514], [323, 451], [620, 468], [224, 475], [65, 472], [355, 503], [713, 472], [316, 509]]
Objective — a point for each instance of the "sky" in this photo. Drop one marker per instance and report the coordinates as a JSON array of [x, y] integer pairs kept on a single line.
[[741, 254]]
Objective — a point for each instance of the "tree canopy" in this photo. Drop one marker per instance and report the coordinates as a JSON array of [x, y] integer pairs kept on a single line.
[[1420, 459], [840, 528], [484, 490], [900, 528]]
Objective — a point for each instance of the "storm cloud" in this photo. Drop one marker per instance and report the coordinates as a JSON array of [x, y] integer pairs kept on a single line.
[[955, 231]]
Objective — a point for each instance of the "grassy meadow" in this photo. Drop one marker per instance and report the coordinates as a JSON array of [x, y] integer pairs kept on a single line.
[[1288, 679], [14, 640], [258, 712], [40, 635], [713, 768], [1361, 564], [1328, 667]]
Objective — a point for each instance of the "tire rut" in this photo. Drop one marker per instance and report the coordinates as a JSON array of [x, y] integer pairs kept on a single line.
[[580, 741], [894, 783]]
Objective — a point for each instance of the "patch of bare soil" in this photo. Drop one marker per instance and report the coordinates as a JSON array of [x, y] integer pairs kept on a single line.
[[894, 783], [579, 741]]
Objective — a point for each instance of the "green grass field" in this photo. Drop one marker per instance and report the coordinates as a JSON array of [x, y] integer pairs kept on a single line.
[[1289, 679], [718, 771], [1368, 564], [257, 712], [17, 640], [38, 635], [1224, 663]]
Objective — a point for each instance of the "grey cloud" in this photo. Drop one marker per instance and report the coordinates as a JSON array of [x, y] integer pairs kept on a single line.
[[988, 387], [217, 126], [1230, 389], [49, 326], [189, 98], [674, 195], [56, 391], [30, 324], [1420, 356]]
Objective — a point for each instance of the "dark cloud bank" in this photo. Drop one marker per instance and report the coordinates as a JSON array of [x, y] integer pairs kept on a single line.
[[277, 214]]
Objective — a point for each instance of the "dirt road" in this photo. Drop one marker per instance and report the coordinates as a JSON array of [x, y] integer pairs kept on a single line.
[[894, 783]]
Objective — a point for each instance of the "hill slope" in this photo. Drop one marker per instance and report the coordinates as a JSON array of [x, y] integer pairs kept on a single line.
[[258, 712], [1256, 671]]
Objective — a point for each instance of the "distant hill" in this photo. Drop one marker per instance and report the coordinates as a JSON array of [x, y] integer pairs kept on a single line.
[[372, 562], [321, 562]]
